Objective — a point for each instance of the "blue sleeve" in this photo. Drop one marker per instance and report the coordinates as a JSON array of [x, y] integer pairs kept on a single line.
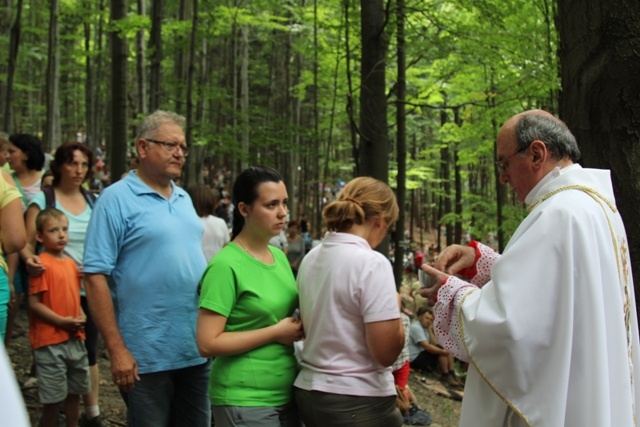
[[104, 236], [417, 334]]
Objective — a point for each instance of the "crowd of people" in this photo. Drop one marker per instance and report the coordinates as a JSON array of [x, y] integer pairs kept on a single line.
[[261, 325]]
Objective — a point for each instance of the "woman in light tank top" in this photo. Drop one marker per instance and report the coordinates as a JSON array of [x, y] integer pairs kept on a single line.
[[26, 160]]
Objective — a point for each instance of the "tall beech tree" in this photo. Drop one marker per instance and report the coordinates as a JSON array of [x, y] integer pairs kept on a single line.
[[52, 124], [374, 136], [14, 44], [600, 100], [119, 55], [401, 141], [155, 47]]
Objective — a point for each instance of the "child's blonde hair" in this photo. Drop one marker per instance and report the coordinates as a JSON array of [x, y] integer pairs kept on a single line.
[[47, 214]]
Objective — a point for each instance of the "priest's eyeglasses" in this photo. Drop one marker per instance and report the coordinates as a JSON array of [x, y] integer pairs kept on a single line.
[[171, 147], [503, 164]]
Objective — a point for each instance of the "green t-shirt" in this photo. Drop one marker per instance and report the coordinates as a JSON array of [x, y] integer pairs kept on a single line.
[[251, 295]]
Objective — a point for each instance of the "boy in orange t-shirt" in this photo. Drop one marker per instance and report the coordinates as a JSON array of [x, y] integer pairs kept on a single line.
[[57, 324]]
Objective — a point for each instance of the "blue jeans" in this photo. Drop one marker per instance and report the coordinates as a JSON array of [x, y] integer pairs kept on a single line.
[[175, 398]]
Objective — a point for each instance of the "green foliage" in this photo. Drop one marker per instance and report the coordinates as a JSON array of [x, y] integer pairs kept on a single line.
[[482, 60], [514, 215]]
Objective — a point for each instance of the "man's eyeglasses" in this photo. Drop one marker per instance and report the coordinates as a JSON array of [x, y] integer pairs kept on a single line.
[[503, 164], [171, 147]]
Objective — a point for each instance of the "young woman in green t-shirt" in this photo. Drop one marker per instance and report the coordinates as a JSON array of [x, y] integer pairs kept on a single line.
[[245, 318]]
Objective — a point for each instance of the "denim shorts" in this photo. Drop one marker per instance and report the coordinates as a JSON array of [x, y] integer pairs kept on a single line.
[[61, 369]]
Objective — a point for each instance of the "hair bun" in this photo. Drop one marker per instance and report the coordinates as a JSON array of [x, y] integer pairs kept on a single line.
[[351, 199]]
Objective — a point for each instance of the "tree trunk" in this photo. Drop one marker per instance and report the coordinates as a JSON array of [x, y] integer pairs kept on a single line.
[[600, 102], [439, 214], [244, 94], [14, 43], [315, 178], [284, 74], [5, 32], [374, 139], [320, 185], [141, 75], [200, 112], [99, 108], [351, 107], [180, 64], [445, 162], [235, 84], [501, 191], [155, 47], [200, 117], [52, 127], [89, 83], [401, 146], [458, 183], [118, 145], [191, 71], [294, 160]]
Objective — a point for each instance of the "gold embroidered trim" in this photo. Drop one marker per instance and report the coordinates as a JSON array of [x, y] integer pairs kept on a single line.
[[590, 191], [620, 267], [464, 342]]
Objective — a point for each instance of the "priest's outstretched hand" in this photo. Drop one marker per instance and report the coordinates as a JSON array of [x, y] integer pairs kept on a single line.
[[452, 260], [438, 279], [455, 258]]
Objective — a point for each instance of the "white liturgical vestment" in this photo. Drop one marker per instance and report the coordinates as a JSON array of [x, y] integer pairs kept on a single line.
[[550, 326]]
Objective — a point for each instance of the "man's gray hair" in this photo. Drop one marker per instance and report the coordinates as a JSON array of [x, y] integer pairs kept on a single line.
[[153, 121], [554, 133]]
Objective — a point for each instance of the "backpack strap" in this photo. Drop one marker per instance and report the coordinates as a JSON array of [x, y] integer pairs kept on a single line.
[[91, 198], [19, 187], [49, 197]]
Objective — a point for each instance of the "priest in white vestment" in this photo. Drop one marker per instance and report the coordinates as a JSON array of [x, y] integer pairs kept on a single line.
[[549, 327]]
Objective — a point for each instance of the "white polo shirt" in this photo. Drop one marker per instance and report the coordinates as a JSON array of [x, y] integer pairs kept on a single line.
[[343, 284]]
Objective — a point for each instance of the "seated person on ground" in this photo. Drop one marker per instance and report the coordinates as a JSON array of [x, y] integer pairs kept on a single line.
[[424, 352]]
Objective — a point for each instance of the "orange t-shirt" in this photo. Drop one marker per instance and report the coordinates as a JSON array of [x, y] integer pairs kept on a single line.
[[59, 287]]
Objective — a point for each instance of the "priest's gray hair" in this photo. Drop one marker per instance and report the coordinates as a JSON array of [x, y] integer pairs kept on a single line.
[[153, 121], [554, 133]]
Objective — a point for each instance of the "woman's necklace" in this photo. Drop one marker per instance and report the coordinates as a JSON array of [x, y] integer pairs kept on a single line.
[[245, 248]]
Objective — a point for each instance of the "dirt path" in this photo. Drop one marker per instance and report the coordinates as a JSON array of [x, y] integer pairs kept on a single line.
[[432, 396], [445, 411]]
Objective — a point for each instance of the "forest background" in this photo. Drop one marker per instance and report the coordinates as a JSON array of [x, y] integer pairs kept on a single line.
[[411, 92]]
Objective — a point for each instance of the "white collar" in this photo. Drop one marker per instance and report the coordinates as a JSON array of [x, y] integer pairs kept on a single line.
[[555, 173]]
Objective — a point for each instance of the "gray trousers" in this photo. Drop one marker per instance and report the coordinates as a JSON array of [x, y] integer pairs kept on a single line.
[[319, 409], [256, 416]]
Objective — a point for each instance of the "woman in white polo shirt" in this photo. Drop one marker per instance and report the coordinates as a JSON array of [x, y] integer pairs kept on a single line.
[[349, 309]]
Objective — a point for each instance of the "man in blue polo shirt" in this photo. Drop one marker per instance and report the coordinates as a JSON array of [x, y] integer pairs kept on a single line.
[[142, 263]]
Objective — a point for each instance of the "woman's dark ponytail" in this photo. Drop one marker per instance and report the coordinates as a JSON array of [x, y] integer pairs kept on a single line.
[[238, 223]]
